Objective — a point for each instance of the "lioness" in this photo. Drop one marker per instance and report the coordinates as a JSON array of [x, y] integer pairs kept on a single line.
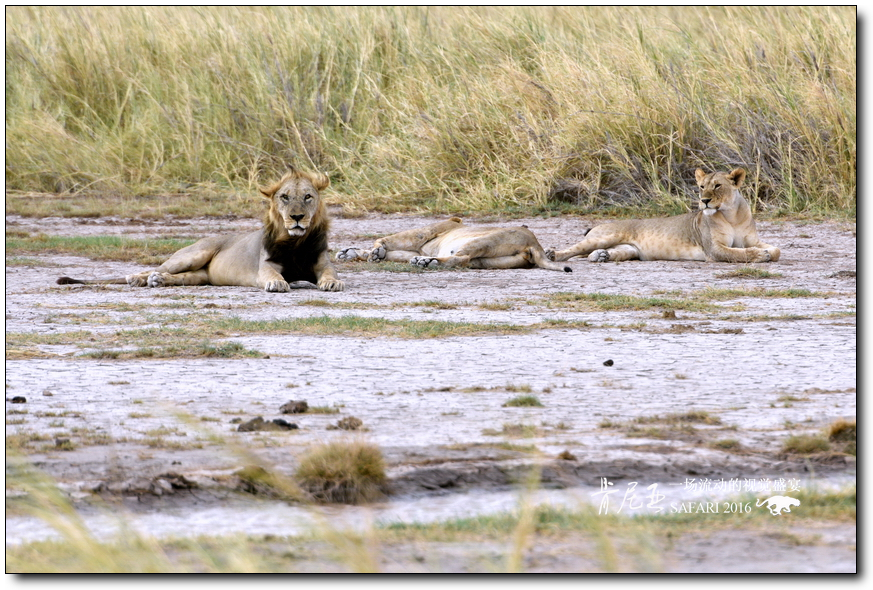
[[721, 230], [452, 244], [291, 246]]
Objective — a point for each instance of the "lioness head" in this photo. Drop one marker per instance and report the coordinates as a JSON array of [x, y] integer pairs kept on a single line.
[[717, 188], [295, 203]]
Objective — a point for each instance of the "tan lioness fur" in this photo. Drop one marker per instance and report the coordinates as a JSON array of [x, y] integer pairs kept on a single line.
[[291, 246], [452, 244], [721, 230]]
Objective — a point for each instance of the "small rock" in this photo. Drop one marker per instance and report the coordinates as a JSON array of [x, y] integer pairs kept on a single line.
[[47, 393], [252, 425], [608, 363], [260, 424], [162, 486], [670, 314], [566, 456], [284, 424], [19, 399], [294, 407], [236, 421]]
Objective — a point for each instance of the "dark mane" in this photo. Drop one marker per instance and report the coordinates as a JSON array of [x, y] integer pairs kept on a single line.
[[297, 256]]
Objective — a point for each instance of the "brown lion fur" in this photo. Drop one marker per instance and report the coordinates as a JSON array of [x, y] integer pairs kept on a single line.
[[274, 226], [291, 246]]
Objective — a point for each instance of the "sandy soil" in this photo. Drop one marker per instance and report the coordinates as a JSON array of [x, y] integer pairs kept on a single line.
[[435, 406]]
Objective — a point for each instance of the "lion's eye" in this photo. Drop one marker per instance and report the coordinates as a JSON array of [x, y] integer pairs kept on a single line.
[[284, 198], [718, 185], [307, 197]]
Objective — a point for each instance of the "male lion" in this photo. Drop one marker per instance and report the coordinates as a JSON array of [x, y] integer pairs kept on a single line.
[[721, 230], [292, 246], [452, 244]]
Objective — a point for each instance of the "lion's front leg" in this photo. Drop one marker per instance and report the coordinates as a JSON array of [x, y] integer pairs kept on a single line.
[[773, 251], [724, 254], [325, 274], [271, 280]]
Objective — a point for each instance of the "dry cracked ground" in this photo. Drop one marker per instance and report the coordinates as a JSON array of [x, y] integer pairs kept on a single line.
[[663, 373]]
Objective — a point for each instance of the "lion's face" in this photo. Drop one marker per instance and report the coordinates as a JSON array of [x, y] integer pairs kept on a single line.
[[295, 201], [717, 188]]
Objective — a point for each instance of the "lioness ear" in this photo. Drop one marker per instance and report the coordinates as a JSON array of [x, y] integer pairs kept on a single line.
[[699, 174], [320, 181], [737, 176]]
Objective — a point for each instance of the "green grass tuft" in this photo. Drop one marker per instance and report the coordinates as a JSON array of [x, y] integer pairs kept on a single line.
[[524, 401]]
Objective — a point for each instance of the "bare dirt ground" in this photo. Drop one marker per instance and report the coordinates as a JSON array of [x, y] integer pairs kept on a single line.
[[767, 367]]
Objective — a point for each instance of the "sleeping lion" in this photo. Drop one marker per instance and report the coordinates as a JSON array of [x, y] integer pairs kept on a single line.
[[452, 244]]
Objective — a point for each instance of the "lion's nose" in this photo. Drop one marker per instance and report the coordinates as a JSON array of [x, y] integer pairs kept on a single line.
[[297, 217], [705, 201]]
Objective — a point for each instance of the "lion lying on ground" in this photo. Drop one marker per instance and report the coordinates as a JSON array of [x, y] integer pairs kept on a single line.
[[721, 230], [452, 244], [292, 246]]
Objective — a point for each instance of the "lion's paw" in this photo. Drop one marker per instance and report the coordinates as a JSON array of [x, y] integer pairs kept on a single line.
[[346, 255], [377, 254], [156, 279], [599, 256], [137, 280], [550, 254], [277, 286], [424, 261], [331, 285]]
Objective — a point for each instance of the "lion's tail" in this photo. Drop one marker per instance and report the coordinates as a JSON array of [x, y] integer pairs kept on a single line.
[[760, 503], [72, 281], [542, 261]]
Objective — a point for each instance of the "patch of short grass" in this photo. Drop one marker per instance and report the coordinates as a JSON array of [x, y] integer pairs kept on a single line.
[[322, 410], [726, 444], [514, 431], [716, 294], [691, 417], [106, 247], [204, 349], [611, 302], [433, 304], [27, 261], [677, 425], [348, 472], [805, 444], [748, 272], [367, 327], [523, 401]]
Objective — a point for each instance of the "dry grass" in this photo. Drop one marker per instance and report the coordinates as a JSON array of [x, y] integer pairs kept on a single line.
[[533, 109], [805, 444], [350, 472]]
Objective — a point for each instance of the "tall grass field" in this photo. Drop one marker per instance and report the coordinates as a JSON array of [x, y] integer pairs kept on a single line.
[[469, 110]]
